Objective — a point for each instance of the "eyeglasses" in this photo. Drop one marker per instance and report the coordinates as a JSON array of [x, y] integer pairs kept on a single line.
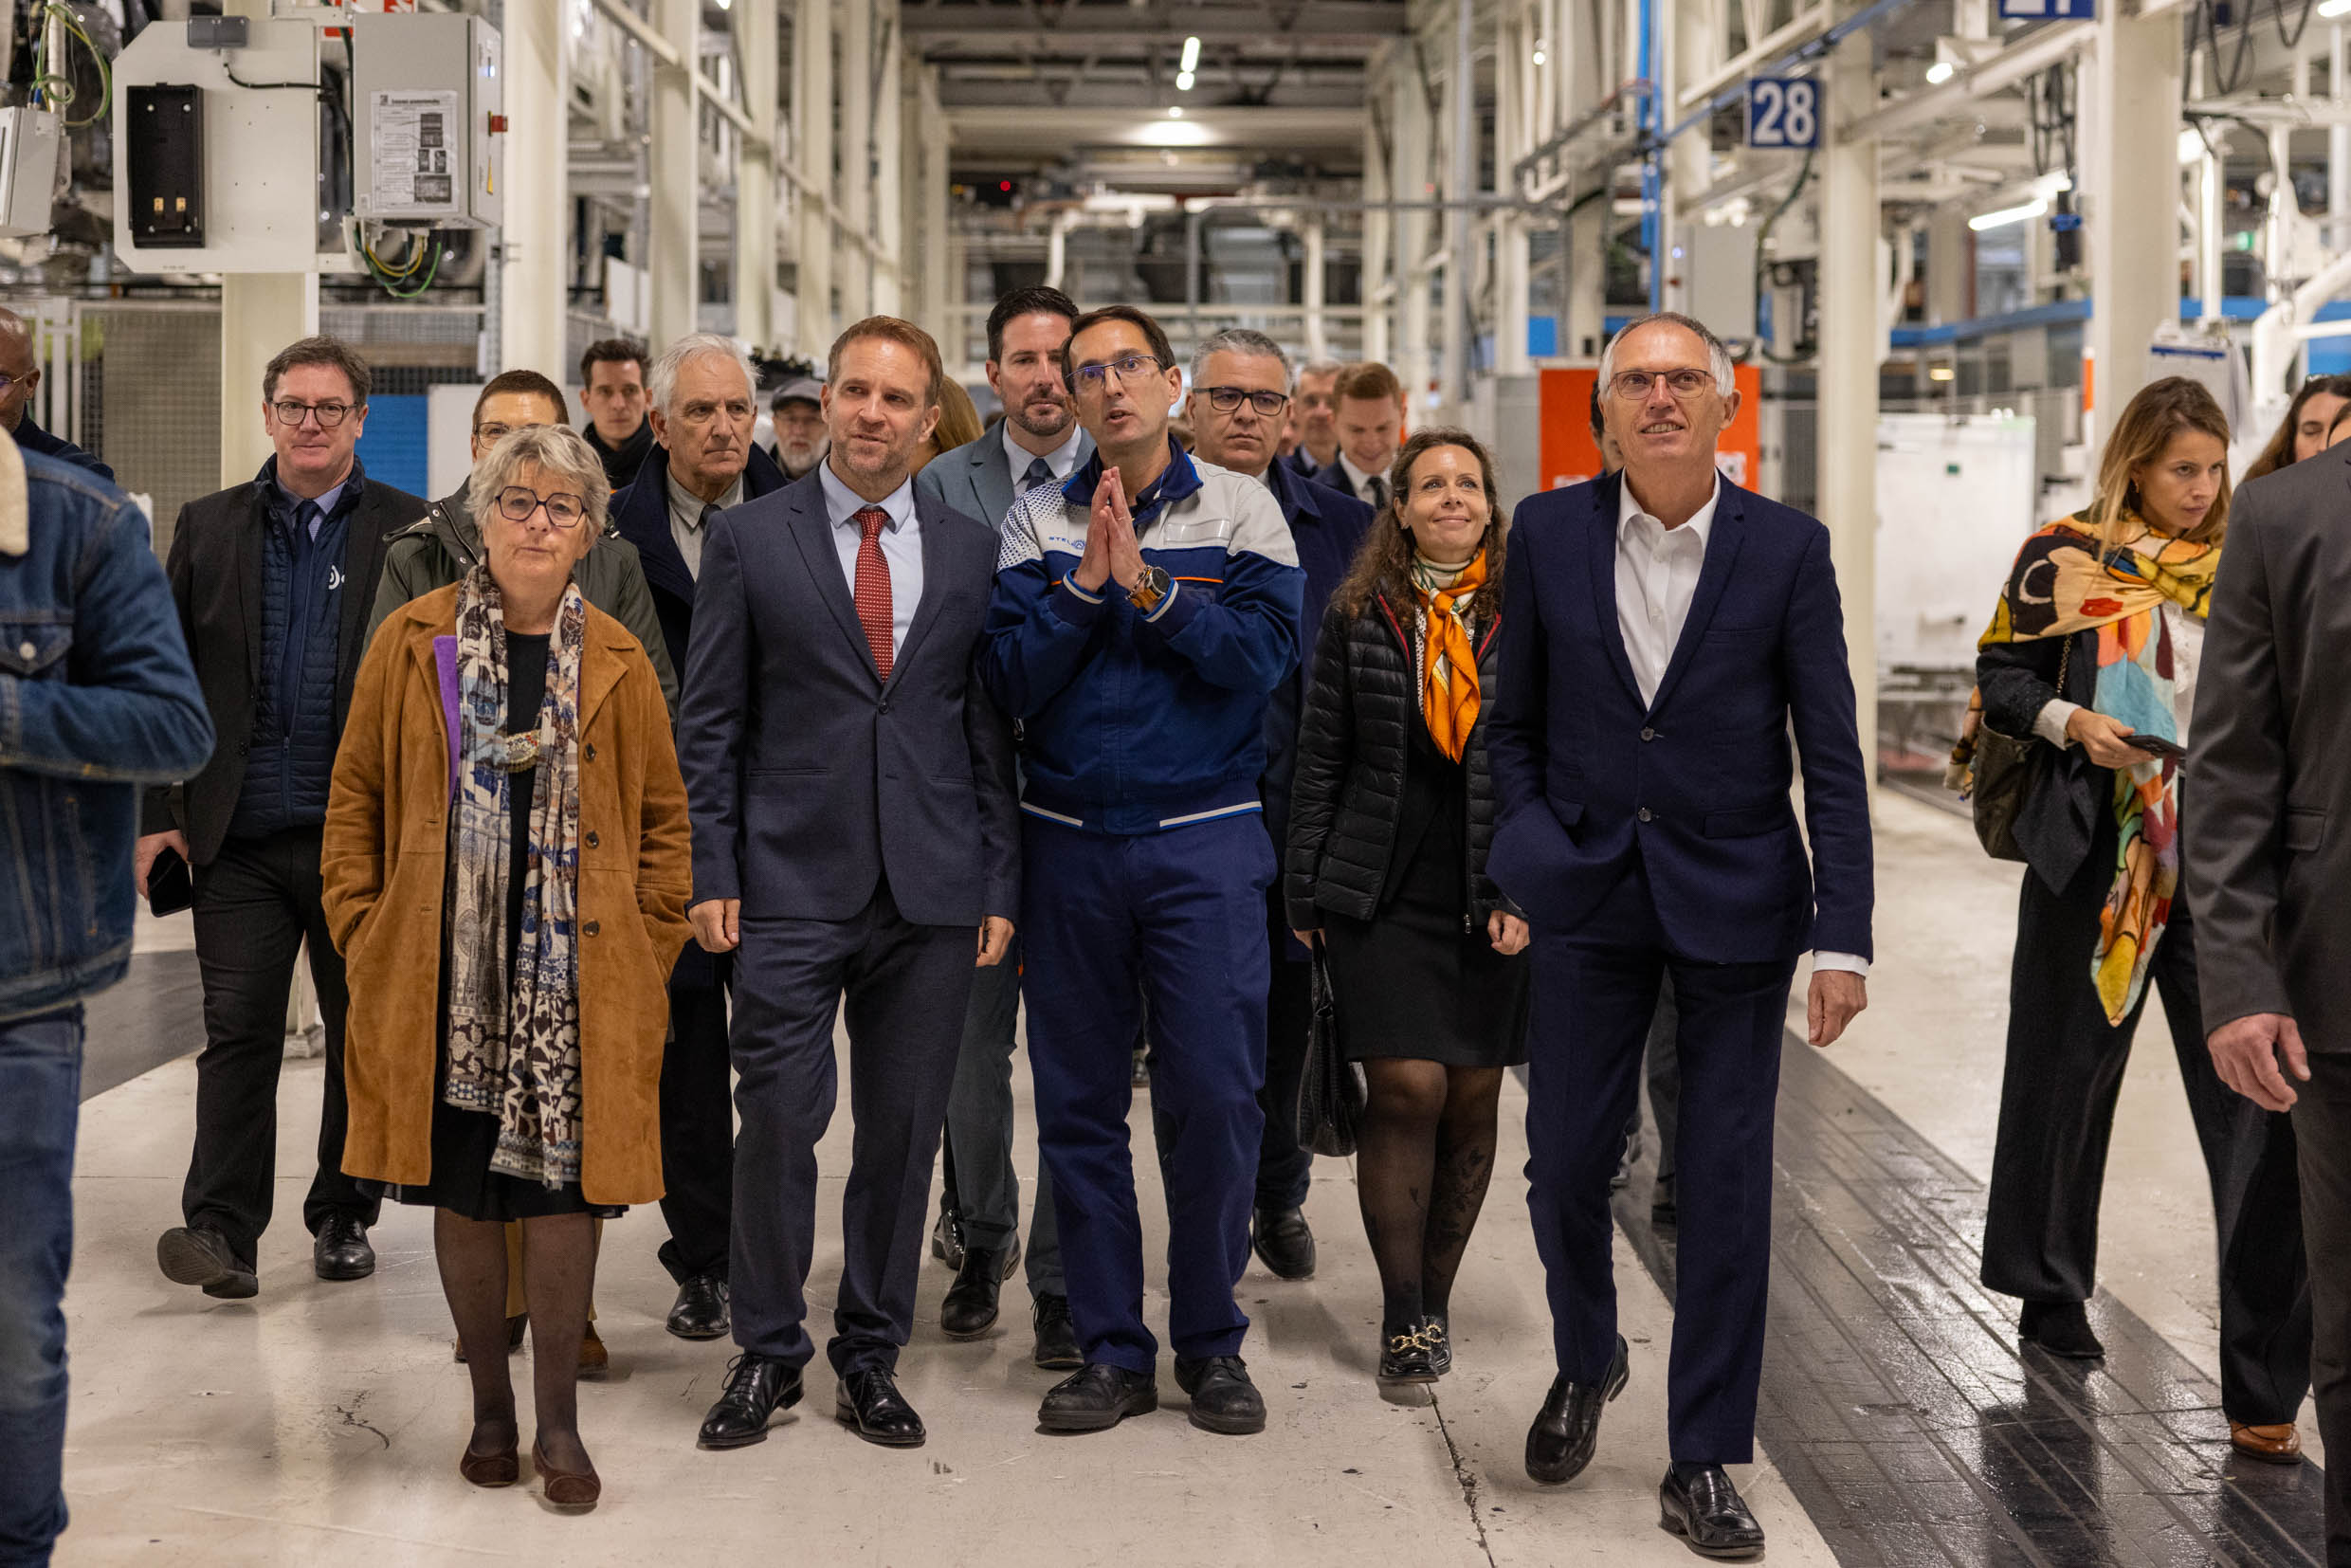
[[564, 509], [1226, 399], [1091, 378], [330, 414], [1633, 385]]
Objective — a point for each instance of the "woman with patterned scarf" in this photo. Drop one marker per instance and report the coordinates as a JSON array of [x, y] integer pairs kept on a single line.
[[1392, 813], [2094, 651], [506, 866]]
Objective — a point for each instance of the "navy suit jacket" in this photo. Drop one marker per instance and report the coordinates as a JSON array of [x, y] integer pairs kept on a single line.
[[641, 516], [810, 777], [1695, 785]]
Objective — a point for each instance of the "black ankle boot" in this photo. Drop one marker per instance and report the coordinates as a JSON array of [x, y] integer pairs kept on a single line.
[[2062, 1328]]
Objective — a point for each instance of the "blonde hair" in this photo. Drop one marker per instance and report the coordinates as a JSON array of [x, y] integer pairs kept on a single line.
[[2161, 411]]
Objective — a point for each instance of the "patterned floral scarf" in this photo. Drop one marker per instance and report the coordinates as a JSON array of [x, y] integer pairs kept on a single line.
[[2062, 585], [1449, 699], [513, 1044]]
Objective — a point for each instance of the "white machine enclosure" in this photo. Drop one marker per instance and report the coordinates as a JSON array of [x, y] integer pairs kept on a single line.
[[1956, 497], [428, 91], [31, 144]]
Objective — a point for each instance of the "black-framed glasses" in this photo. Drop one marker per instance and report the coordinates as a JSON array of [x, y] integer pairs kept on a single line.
[[1633, 385], [1226, 399], [330, 414], [517, 502], [1092, 378]]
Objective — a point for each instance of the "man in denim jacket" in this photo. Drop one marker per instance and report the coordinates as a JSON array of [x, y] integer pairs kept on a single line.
[[97, 698]]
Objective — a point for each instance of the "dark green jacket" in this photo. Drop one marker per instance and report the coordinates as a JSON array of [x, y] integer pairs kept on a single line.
[[442, 545]]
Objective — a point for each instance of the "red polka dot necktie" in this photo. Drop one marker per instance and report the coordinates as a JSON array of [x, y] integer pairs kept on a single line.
[[873, 586]]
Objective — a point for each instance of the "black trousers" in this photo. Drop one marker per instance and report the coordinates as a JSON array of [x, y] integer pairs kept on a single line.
[[255, 906], [2049, 1165], [698, 1133], [2322, 1118], [906, 986]]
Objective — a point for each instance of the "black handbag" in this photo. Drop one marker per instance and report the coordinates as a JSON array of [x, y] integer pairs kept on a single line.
[[1330, 1091], [2005, 772]]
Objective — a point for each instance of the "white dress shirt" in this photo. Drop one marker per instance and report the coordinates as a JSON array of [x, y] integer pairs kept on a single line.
[[1062, 459], [687, 511], [1359, 481], [900, 540], [1656, 579]]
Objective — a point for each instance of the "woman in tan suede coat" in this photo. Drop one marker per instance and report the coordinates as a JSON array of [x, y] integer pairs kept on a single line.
[[506, 866]]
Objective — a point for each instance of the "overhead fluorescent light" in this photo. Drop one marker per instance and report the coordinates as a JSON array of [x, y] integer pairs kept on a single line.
[[1183, 81], [1943, 71], [1982, 221], [2334, 8], [1941, 372], [1192, 55], [1174, 111]]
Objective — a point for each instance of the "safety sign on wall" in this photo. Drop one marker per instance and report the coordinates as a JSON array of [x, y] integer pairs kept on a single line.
[[416, 148]]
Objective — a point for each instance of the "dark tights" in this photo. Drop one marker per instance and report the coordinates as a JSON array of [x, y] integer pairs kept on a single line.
[[558, 1270], [1422, 1156]]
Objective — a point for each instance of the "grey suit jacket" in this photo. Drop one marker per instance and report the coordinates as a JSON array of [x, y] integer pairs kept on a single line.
[[2266, 800], [810, 777], [976, 479]]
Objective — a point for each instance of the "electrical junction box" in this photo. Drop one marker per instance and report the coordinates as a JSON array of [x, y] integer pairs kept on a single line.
[[428, 96], [29, 144], [166, 156]]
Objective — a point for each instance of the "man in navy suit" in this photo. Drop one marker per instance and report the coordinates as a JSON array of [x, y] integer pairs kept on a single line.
[[854, 836], [704, 401], [1663, 631]]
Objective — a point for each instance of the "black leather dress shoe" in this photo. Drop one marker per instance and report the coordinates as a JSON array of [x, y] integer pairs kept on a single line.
[[1440, 1331], [1096, 1398], [701, 1310], [1560, 1444], [1706, 1511], [970, 1309], [869, 1403], [757, 1388], [341, 1249], [1222, 1399], [1282, 1242], [1057, 1340], [1407, 1355], [947, 1238], [2062, 1328], [1629, 1157], [201, 1255]]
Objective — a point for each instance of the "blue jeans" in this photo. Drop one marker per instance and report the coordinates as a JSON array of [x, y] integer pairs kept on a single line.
[[40, 1102]]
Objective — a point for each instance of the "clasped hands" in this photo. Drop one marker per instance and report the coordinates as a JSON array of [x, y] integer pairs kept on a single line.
[[718, 925], [1112, 552]]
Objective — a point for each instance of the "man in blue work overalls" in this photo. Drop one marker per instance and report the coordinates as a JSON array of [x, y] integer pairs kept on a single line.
[[1143, 612]]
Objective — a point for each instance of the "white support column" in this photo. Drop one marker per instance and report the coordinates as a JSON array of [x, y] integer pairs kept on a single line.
[[1461, 104], [1310, 291], [1849, 290], [261, 313], [535, 246], [856, 194], [675, 261], [2130, 179], [1379, 237], [1513, 91], [936, 254], [1057, 251], [755, 176], [1947, 266], [1584, 64], [1410, 183], [811, 111], [2337, 145], [890, 182]]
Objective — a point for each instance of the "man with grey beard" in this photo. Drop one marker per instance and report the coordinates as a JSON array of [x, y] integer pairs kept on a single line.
[[799, 425], [1037, 443]]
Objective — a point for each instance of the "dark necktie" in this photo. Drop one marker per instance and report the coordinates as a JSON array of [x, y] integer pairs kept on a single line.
[[307, 517], [873, 586], [1379, 494], [1040, 473]]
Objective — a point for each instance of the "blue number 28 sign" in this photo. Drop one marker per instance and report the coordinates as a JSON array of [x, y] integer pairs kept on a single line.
[[1784, 112]]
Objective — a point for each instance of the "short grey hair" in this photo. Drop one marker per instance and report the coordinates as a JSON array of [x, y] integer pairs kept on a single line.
[[660, 377], [1318, 367], [557, 450], [1237, 341], [1717, 357]]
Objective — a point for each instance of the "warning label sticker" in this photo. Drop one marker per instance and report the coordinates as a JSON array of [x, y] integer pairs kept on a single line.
[[414, 132]]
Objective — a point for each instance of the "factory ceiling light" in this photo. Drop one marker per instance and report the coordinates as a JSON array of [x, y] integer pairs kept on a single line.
[[1191, 56], [2008, 214], [1941, 72]]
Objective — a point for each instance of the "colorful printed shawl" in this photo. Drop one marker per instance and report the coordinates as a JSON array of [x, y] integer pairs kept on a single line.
[[513, 1044], [2061, 586]]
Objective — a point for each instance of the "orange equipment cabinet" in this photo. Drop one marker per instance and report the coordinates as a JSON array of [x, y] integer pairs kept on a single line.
[[1569, 456]]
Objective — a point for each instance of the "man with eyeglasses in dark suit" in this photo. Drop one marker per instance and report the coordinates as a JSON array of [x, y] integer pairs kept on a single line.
[[274, 579]]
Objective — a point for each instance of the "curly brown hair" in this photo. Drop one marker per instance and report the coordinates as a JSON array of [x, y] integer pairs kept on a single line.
[[1385, 561]]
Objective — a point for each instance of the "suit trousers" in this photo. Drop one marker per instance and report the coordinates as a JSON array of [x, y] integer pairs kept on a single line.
[[256, 906], [1177, 917], [697, 1133], [2049, 1164], [1595, 992], [979, 1131], [2322, 1117], [905, 986]]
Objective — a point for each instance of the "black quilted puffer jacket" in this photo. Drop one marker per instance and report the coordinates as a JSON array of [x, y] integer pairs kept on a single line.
[[1352, 745]]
